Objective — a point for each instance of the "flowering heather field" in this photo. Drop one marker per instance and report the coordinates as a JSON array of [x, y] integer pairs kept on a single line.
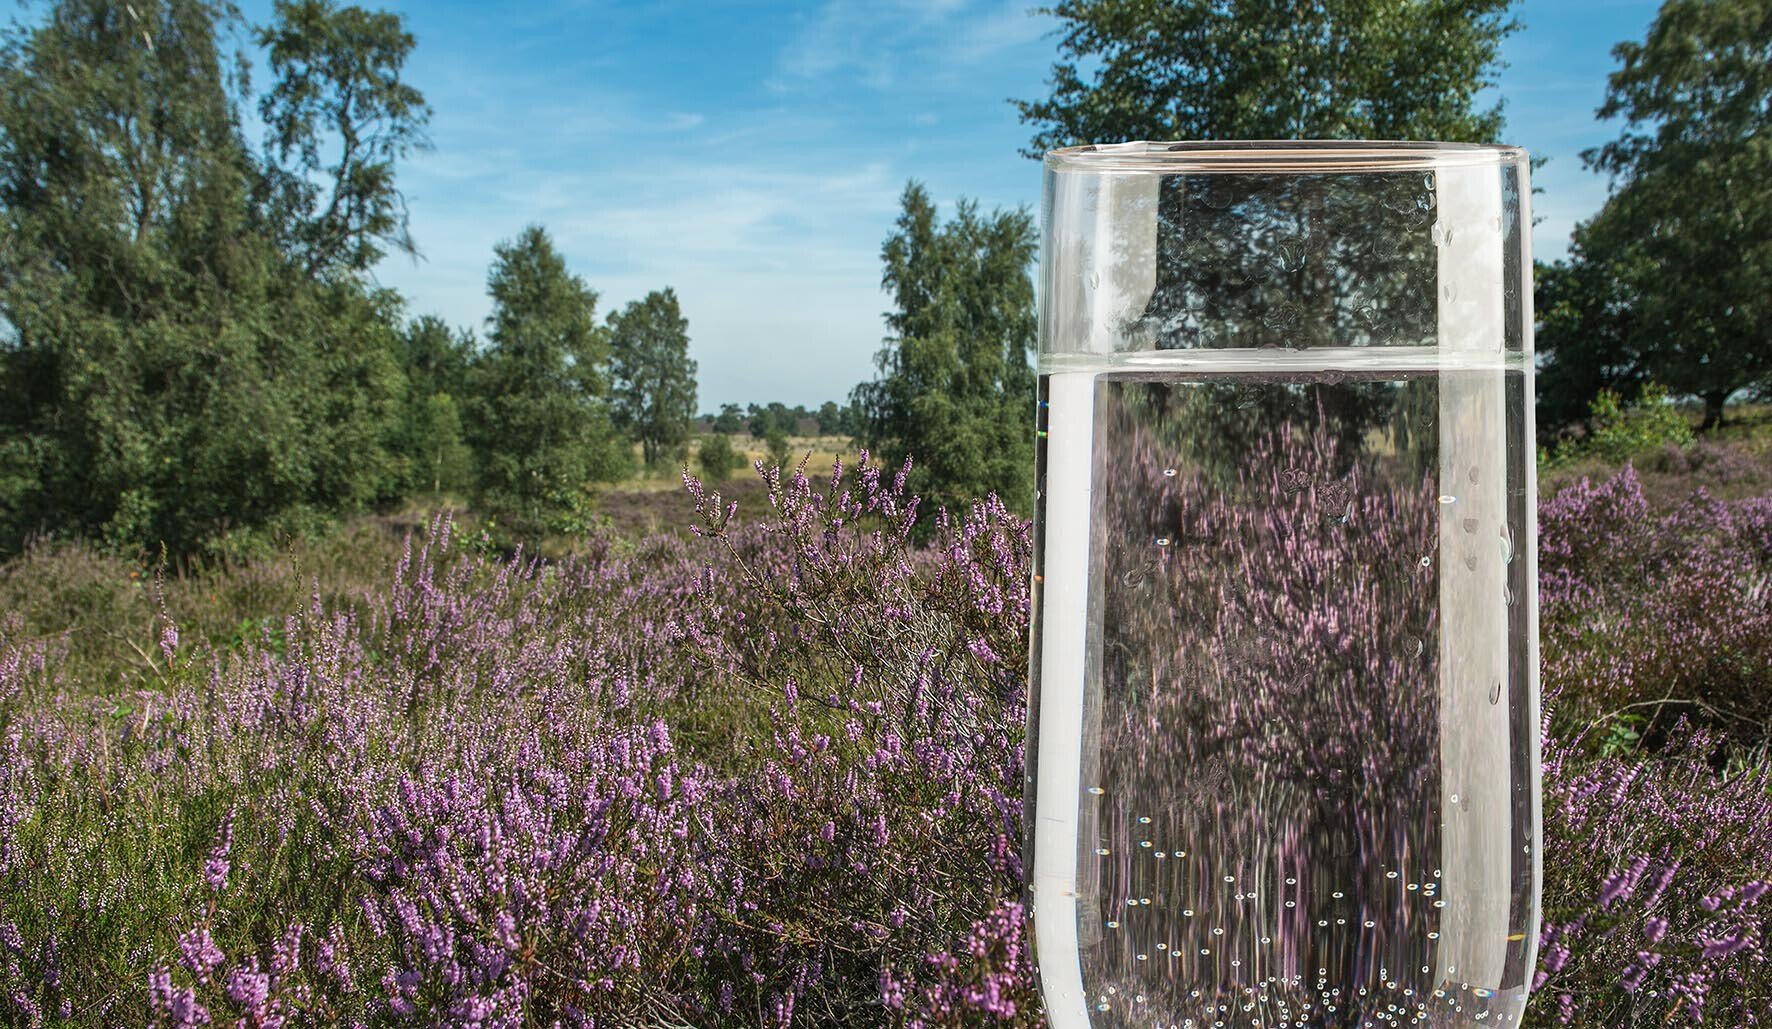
[[768, 774]]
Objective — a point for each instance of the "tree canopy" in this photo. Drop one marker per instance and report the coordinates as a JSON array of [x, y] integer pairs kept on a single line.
[[1270, 69], [955, 389], [541, 419], [653, 374], [1672, 280], [170, 371]]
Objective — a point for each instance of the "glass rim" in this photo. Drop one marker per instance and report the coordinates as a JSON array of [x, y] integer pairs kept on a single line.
[[1280, 156]]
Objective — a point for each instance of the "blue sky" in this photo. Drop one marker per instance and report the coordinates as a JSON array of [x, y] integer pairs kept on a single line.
[[750, 154]]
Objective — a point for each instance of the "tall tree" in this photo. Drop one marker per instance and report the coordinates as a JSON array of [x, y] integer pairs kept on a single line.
[[654, 377], [1686, 235], [541, 424], [339, 86], [1270, 69], [955, 389]]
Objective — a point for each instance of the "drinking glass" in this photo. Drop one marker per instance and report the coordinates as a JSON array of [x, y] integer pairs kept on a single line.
[[1283, 764]]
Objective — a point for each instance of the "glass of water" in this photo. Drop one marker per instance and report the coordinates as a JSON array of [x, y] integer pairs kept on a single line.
[[1283, 764]]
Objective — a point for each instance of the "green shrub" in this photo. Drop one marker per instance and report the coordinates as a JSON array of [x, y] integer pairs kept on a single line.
[[1617, 430], [717, 458], [780, 451]]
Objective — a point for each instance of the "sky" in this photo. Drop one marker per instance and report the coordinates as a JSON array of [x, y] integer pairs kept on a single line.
[[751, 154]]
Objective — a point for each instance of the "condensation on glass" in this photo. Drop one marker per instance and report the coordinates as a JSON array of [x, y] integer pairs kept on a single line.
[[1283, 753]]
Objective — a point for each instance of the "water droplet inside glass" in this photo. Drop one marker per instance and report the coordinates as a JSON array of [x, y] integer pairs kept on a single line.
[[1495, 692], [1169, 473], [1448, 498]]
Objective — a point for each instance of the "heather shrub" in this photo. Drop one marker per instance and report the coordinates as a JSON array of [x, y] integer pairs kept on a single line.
[[1654, 615], [476, 795], [1656, 874], [766, 774]]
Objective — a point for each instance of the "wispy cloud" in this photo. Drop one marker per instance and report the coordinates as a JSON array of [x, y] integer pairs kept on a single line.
[[874, 43]]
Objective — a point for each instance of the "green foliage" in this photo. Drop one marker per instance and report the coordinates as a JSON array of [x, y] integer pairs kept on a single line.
[[540, 422], [431, 445], [767, 418], [1270, 69], [1617, 431], [654, 377], [1672, 280], [1586, 336], [717, 459], [955, 390], [731, 419], [172, 374], [338, 85], [780, 450], [830, 418]]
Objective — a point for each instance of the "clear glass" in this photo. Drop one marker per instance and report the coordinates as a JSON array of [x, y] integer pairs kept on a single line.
[[1283, 757]]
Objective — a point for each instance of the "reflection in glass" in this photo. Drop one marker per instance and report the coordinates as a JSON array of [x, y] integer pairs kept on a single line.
[[1283, 770]]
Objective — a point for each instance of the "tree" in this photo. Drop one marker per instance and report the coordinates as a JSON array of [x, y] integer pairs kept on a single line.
[[338, 82], [1586, 335], [654, 377], [767, 418], [780, 449], [717, 458], [1280, 69], [1685, 239], [433, 441], [829, 418], [540, 423], [170, 373], [731, 419], [955, 389], [1270, 69]]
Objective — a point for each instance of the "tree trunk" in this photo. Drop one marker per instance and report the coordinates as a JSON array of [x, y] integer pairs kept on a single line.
[[1713, 409]]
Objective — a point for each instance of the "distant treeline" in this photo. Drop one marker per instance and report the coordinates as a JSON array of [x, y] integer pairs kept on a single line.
[[759, 420]]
